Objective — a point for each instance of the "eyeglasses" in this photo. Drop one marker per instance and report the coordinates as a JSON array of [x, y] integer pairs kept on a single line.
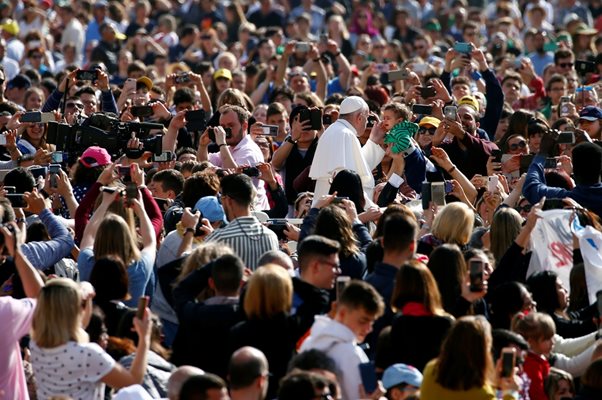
[[515, 146], [331, 264], [424, 131], [566, 65], [525, 208], [294, 74]]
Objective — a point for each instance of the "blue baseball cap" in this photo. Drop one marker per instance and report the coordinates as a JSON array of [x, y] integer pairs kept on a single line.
[[211, 209], [397, 374], [591, 113]]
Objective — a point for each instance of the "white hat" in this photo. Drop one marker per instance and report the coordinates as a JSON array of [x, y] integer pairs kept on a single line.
[[352, 104]]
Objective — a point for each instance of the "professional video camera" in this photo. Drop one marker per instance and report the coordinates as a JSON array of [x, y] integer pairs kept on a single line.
[[104, 130]]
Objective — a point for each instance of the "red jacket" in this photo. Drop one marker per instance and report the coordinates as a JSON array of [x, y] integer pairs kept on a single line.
[[537, 369]]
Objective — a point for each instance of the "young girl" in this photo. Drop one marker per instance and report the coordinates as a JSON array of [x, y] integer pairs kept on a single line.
[[538, 330]]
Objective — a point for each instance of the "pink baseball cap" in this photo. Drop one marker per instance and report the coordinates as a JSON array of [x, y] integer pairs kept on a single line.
[[95, 157]]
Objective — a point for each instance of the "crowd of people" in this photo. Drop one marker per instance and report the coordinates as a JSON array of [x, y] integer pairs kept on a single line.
[[299, 199]]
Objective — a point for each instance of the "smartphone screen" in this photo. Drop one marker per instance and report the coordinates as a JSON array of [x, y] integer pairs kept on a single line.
[[508, 357], [426, 195], [476, 275], [438, 193], [525, 162]]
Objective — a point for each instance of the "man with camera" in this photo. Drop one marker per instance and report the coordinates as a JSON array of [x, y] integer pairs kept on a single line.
[[236, 148]]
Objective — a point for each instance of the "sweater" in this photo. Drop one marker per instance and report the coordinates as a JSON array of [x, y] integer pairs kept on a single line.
[[537, 369], [431, 390]]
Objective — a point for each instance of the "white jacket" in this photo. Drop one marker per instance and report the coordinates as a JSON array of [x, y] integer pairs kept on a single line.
[[338, 341]]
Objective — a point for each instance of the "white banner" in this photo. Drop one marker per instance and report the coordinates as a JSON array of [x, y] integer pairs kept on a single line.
[[552, 245], [590, 242]]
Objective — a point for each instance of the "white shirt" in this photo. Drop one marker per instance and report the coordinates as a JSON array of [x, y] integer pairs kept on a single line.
[[339, 148], [74, 33], [73, 369]]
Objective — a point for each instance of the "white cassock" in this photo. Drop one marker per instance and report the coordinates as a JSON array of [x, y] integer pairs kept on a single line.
[[339, 148]]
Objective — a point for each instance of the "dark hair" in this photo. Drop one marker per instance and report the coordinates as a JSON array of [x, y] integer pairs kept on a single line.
[[183, 95], [21, 179], [110, 279], [185, 150], [200, 184], [282, 90], [578, 293], [84, 175], [85, 90], [505, 338], [239, 187], [37, 232], [188, 29], [562, 53], [359, 294], [301, 385], [399, 232], [315, 245], [227, 273], [313, 359], [587, 163], [170, 179], [542, 286], [347, 183], [449, 270], [506, 300], [196, 387]]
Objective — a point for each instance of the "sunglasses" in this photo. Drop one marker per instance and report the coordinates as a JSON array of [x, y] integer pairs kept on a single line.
[[424, 131], [525, 208], [566, 65], [520, 145], [74, 105]]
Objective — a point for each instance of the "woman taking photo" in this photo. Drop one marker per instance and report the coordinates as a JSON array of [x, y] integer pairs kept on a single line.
[[64, 363], [464, 369]]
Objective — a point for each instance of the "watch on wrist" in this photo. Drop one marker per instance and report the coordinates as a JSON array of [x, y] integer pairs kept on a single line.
[[189, 230], [290, 140]]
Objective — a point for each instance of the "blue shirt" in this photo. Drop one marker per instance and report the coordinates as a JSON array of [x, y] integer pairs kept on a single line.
[[44, 254], [139, 272]]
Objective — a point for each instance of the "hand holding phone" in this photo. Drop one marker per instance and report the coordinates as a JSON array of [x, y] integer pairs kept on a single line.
[[142, 304], [508, 361]]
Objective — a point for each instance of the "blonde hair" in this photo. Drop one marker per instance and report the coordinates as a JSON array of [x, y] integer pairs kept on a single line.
[[534, 325], [269, 292], [58, 314], [200, 256], [114, 238], [454, 223], [505, 227]]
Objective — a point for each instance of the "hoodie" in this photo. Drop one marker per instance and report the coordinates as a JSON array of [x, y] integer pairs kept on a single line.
[[338, 341]]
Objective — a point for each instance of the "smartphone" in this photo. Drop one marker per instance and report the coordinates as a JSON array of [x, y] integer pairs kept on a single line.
[[451, 112], [270, 130], [109, 189], [183, 77], [86, 75], [476, 275], [564, 107], [195, 121], [38, 172], [10, 189], [449, 187], [2, 140], [426, 195], [339, 199], [463, 47], [131, 192], [438, 193], [326, 119], [16, 200], [278, 227], [142, 304], [124, 174], [372, 120], [162, 203], [525, 162], [368, 374], [497, 155], [302, 47], [342, 281], [422, 109], [398, 75], [141, 111], [492, 182], [550, 163], [313, 115], [252, 172], [164, 157], [54, 170], [57, 157], [508, 361], [566, 137], [37, 116], [427, 92], [198, 232]]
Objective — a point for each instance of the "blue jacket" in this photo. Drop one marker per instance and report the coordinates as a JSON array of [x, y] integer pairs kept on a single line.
[[589, 196], [45, 254]]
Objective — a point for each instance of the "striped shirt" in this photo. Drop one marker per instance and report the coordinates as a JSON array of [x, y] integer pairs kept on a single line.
[[248, 238]]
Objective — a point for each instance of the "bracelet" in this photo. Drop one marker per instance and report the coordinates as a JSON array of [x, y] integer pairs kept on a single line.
[[189, 230], [452, 169], [290, 140], [316, 59], [220, 145]]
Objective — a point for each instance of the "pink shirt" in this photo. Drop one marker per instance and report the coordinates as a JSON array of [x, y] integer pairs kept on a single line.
[[16, 316]]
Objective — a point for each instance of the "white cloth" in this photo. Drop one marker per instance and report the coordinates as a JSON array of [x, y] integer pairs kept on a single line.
[[338, 341], [590, 243], [338, 149], [554, 245], [73, 369], [11, 68], [74, 34]]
